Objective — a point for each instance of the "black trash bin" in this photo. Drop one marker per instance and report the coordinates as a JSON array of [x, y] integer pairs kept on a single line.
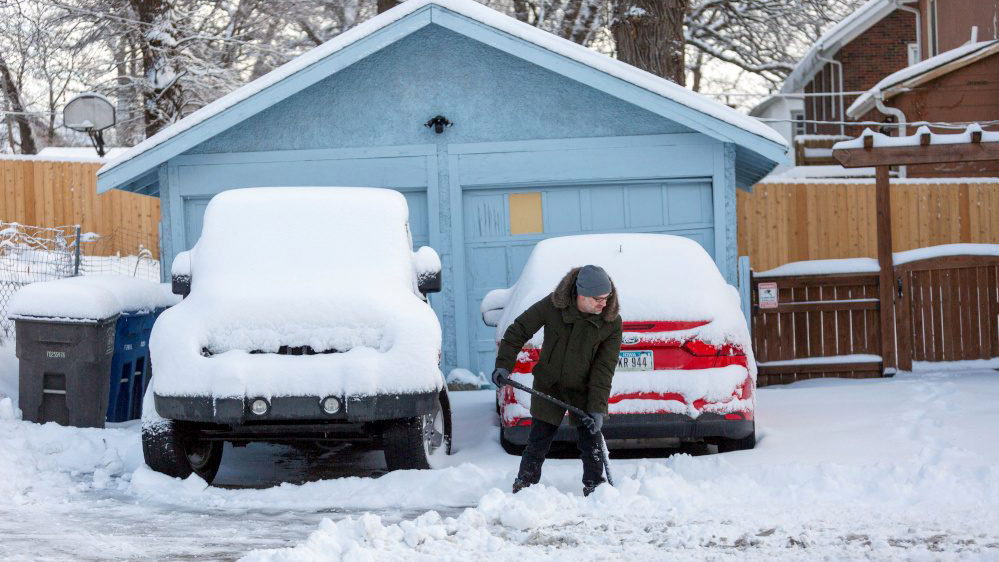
[[63, 371]]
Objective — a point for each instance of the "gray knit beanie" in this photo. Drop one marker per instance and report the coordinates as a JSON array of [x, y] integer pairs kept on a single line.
[[592, 281]]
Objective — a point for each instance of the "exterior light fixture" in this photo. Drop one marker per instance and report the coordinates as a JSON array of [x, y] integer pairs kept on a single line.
[[438, 123]]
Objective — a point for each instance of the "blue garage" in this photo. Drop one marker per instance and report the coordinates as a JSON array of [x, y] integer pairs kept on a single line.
[[543, 138]]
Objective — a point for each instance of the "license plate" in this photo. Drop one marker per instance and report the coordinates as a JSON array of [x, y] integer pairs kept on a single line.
[[635, 361]]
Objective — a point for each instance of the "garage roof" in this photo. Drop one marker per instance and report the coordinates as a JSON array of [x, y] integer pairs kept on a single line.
[[758, 147]]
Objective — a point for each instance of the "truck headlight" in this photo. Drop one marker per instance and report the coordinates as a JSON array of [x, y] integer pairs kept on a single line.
[[259, 406], [331, 405]]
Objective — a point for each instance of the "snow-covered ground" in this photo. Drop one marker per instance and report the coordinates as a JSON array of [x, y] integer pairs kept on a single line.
[[889, 469]]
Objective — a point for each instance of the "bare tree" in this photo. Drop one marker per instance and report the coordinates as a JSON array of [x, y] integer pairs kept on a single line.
[[17, 113], [649, 34]]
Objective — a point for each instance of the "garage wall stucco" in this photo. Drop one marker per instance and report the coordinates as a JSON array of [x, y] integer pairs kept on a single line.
[[489, 95]]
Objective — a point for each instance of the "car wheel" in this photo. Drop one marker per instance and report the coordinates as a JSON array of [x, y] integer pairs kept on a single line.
[[510, 447], [173, 448], [411, 443], [726, 445]]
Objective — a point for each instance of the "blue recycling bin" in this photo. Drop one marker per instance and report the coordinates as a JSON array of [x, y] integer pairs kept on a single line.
[[130, 368]]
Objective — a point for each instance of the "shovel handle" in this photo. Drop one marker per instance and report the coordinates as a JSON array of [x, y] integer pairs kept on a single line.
[[603, 444]]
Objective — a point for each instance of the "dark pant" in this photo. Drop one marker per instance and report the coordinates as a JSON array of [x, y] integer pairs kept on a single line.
[[540, 440]]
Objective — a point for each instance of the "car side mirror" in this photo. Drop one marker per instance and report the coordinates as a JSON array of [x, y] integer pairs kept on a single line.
[[492, 306], [427, 264], [180, 274]]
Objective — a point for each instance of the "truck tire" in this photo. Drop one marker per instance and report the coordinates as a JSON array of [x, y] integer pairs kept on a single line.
[[173, 448], [726, 445], [410, 443]]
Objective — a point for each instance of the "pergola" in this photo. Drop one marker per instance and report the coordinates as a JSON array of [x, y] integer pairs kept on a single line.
[[881, 152]]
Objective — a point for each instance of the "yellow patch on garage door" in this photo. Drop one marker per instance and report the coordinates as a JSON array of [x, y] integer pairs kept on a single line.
[[525, 213]]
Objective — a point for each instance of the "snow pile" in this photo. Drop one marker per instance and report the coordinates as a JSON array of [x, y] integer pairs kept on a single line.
[[91, 297], [333, 270], [44, 465], [463, 379], [657, 276], [877, 469], [829, 479], [8, 370]]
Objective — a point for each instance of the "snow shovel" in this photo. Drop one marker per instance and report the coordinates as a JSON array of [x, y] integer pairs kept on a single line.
[[603, 444]]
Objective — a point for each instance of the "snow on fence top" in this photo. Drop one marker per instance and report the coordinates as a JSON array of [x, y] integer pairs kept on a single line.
[[93, 297], [490, 17], [973, 133], [870, 265]]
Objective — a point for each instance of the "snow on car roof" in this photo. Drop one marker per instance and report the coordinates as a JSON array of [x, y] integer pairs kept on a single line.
[[331, 268], [657, 276], [292, 234]]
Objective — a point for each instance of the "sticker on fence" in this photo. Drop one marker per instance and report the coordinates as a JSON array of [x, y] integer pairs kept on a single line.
[[768, 295]]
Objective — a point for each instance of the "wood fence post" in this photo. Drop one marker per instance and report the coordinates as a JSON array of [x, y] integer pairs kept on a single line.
[[903, 314], [886, 278]]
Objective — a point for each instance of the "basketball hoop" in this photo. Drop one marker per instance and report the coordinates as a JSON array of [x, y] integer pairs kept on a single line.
[[90, 113]]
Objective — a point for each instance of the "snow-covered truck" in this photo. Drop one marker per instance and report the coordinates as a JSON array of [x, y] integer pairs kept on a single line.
[[686, 371], [305, 317]]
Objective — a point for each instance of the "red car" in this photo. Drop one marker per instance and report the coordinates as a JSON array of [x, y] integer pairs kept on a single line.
[[686, 372]]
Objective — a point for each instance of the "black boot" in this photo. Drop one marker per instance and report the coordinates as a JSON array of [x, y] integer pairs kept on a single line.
[[519, 485]]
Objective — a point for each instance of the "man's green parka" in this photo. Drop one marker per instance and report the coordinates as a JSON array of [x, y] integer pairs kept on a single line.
[[579, 353]]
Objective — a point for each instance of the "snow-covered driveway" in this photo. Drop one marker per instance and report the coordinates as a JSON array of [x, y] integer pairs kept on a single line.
[[890, 469]]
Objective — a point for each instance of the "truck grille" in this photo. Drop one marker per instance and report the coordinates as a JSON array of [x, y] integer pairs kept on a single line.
[[283, 350]]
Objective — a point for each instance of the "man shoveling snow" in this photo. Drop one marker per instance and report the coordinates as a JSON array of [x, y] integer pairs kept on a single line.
[[582, 338]]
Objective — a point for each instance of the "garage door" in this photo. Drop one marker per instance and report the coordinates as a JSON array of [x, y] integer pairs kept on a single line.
[[194, 214], [503, 225]]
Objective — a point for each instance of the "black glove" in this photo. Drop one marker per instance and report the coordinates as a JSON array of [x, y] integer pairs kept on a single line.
[[594, 421], [500, 377]]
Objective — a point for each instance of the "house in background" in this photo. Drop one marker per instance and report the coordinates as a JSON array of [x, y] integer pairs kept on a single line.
[[547, 138], [881, 38]]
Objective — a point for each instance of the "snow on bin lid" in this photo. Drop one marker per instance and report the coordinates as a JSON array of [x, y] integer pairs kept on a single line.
[[658, 277], [91, 297]]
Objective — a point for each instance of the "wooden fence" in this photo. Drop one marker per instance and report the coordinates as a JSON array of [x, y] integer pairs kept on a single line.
[[943, 309], [50, 194], [781, 223]]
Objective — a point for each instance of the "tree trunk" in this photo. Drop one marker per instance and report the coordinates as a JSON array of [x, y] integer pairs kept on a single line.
[[163, 96], [385, 5], [649, 35], [13, 95]]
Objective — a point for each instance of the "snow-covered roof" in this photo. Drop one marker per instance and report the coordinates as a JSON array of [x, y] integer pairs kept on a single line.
[[830, 42], [912, 76], [483, 15], [882, 140]]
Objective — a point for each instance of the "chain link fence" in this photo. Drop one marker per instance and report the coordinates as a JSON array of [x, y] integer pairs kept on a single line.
[[29, 254]]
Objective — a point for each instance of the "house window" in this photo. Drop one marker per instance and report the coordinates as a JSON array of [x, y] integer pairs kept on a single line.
[[931, 24], [913, 53], [799, 122], [525, 213]]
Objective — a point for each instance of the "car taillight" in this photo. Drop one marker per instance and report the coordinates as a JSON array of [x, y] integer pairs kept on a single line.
[[699, 348], [731, 349]]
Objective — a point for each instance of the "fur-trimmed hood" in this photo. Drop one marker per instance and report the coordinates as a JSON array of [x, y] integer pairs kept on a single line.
[[564, 295]]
